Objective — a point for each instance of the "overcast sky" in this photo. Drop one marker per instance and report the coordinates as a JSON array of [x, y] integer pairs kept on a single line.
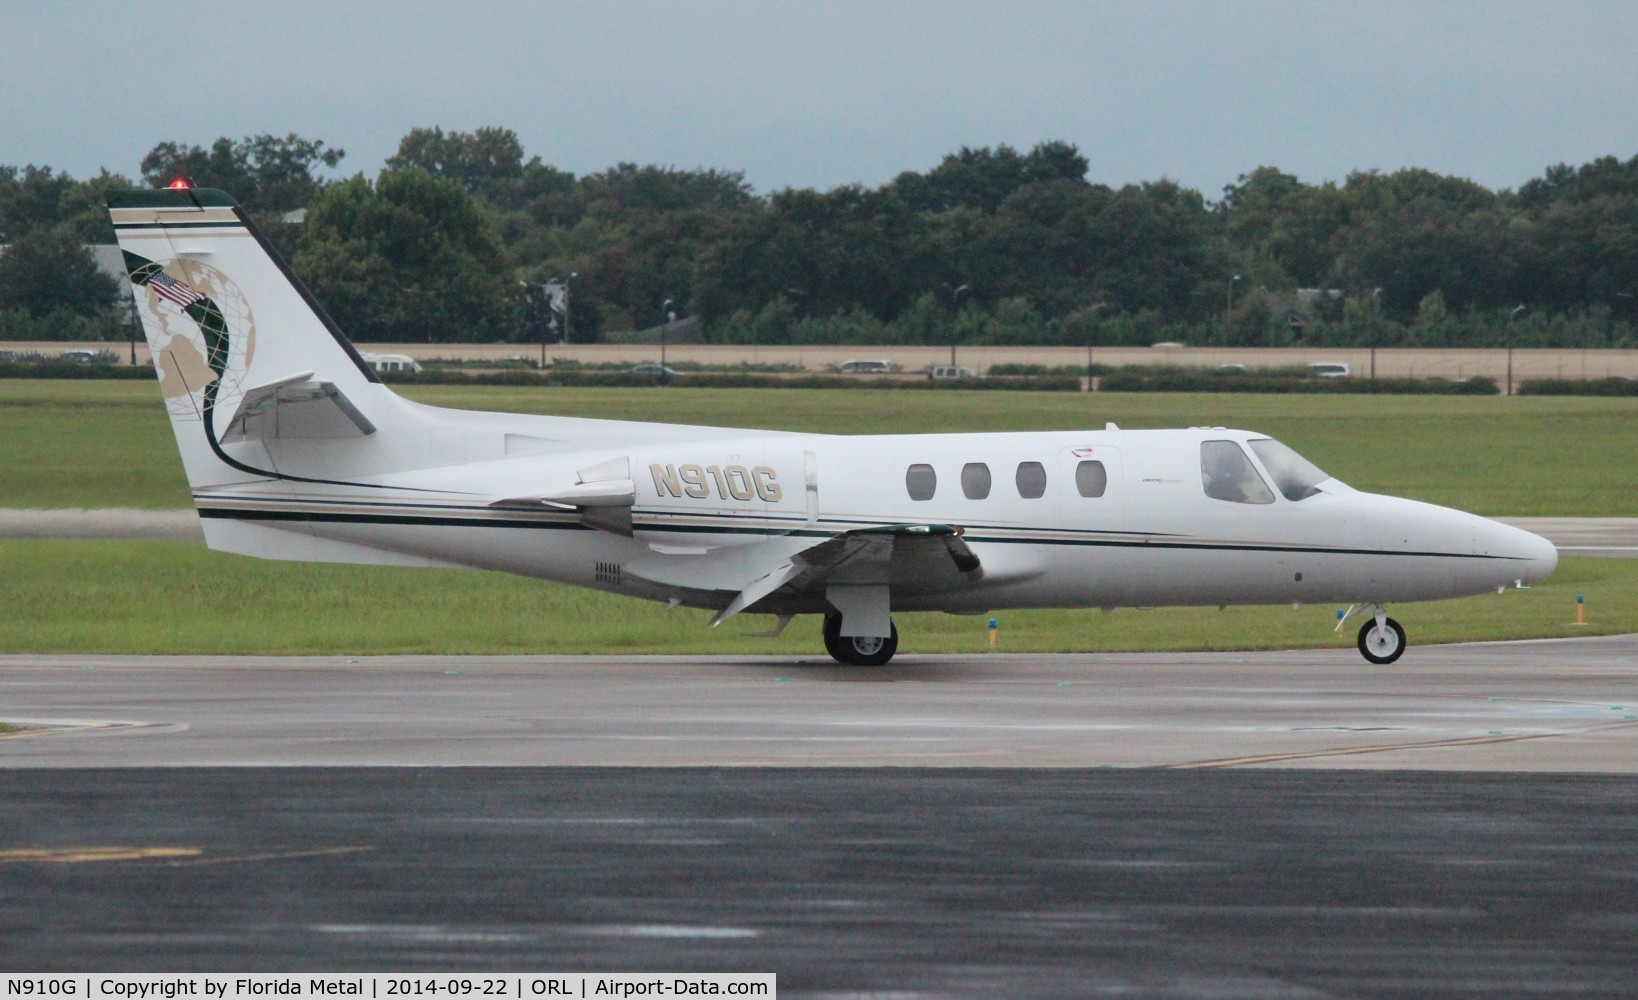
[[821, 94]]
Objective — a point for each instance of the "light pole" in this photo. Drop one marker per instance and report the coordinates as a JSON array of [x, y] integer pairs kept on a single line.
[[1622, 299], [1228, 314], [133, 324], [535, 295], [800, 293], [1091, 338], [665, 323], [535, 305], [1376, 327], [955, 309], [1510, 318], [564, 299]]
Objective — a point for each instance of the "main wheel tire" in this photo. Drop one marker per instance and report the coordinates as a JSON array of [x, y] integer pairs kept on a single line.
[[859, 650], [1383, 645], [833, 638]]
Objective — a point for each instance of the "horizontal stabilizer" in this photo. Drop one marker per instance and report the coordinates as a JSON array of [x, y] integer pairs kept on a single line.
[[615, 493], [604, 497], [296, 407], [609, 493]]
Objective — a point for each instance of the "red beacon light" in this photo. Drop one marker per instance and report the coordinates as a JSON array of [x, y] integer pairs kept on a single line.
[[180, 184]]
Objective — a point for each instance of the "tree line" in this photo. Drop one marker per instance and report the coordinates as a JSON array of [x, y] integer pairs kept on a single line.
[[455, 237]]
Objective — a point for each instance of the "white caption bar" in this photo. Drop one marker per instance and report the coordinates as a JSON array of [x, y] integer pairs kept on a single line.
[[389, 986]]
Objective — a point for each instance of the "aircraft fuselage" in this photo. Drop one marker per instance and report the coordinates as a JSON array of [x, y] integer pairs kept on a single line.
[[709, 509]]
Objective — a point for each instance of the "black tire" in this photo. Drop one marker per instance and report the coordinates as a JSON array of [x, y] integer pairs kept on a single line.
[[858, 651], [1381, 647], [833, 637]]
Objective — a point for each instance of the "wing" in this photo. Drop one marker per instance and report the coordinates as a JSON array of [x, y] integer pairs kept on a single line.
[[867, 559]]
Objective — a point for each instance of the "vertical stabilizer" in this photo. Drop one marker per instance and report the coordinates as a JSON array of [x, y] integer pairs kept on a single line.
[[223, 316]]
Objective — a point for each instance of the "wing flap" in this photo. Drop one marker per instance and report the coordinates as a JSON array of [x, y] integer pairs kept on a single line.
[[757, 591]]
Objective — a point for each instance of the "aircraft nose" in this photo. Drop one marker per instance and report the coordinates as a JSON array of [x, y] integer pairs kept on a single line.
[[1535, 555], [1543, 556]]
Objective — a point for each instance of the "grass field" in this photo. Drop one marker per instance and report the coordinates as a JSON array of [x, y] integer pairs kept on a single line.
[[176, 597], [107, 444], [104, 444]]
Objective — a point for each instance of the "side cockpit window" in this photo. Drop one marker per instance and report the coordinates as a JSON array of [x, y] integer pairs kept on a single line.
[[1228, 474]]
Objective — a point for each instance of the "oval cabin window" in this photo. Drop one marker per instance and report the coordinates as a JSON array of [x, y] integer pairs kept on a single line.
[[975, 480], [1031, 480], [921, 482], [1091, 480]]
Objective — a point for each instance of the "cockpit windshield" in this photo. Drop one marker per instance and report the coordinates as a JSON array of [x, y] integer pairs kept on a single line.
[[1294, 476]]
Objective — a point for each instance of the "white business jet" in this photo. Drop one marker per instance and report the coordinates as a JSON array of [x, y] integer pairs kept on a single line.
[[295, 450]]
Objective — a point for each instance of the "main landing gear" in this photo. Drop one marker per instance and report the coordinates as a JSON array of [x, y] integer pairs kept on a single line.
[[858, 650], [1381, 639]]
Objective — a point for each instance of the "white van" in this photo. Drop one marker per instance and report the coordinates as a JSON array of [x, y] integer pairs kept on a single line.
[[1330, 369], [866, 367], [952, 371], [391, 363]]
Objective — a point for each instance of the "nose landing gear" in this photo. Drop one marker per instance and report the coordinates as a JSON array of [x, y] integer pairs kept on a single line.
[[1381, 640]]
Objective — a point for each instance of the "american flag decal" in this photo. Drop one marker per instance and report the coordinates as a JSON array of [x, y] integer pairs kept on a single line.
[[173, 290]]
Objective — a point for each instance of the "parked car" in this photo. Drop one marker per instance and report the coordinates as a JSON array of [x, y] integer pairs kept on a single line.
[[82, 357], [951, 371], [1331, 369], [866, 366], [1233, 369], [654, 371], [391, 363]]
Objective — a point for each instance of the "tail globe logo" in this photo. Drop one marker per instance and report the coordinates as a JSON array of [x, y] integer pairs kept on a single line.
[[200, 328]]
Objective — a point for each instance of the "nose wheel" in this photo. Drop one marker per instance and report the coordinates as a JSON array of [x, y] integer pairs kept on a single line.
[[859, 650], [1381, 640]]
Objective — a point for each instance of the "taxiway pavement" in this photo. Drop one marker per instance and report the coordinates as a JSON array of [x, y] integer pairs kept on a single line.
[[1552, 705], [911, 884], [1291, 824]]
